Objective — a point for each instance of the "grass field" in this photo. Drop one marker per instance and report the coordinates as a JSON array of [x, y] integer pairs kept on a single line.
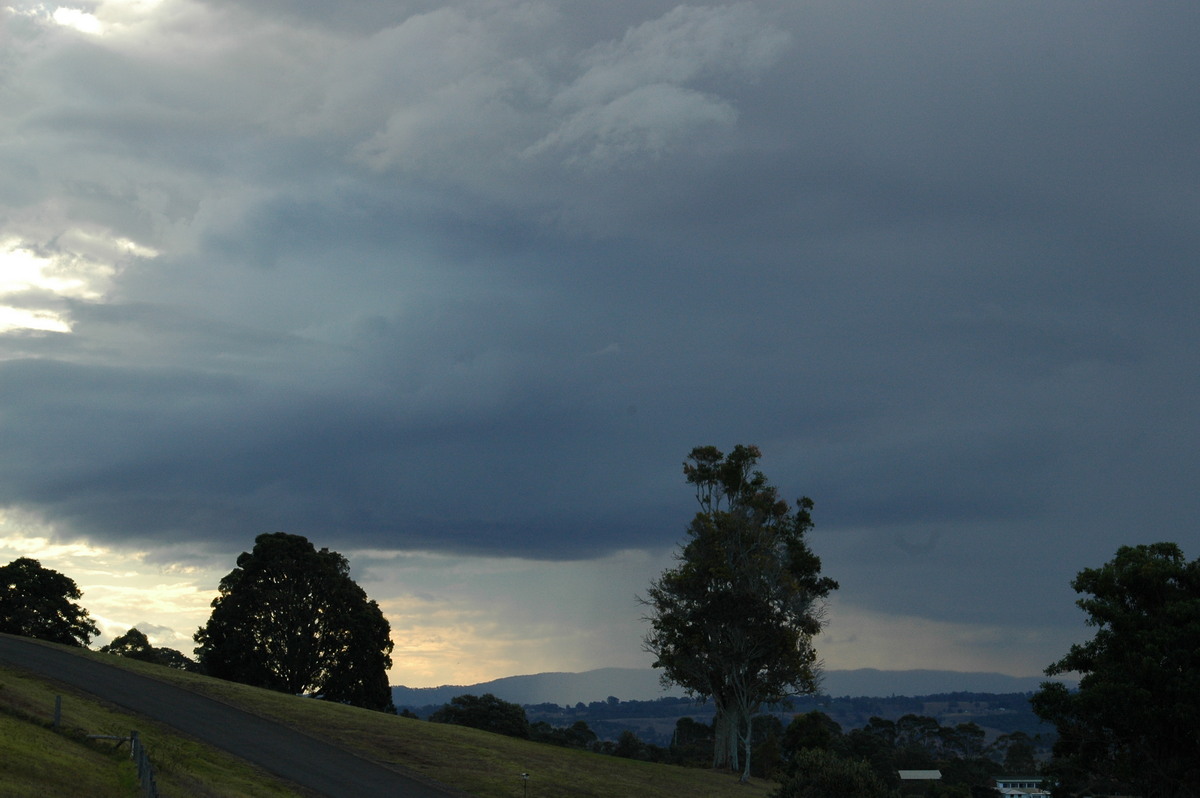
[[36, 761], [475, 762]]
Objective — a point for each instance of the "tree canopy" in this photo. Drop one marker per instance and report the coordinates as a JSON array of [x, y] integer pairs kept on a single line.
[[290, 618], [817, 773], [40, 602], [1134, 723], [485, 712], [734, 620], [135, 645]]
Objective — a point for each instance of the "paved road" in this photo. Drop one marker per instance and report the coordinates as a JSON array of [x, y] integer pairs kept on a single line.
[[311, 763]]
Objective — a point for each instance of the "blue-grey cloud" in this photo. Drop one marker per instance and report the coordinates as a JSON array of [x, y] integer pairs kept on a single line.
[[474, 277]]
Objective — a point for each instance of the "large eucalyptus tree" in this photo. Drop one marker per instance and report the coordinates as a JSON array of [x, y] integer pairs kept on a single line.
[[734, 620]]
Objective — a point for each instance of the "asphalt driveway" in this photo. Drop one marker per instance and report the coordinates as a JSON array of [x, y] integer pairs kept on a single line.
[[311, 763]]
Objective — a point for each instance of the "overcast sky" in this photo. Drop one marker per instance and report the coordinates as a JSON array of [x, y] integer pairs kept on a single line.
[[453, 287]]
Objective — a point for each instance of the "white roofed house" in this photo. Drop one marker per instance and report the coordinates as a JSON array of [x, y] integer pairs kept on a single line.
[[1021, 787]]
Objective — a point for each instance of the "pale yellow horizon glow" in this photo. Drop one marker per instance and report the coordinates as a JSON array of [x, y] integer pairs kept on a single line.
[[121, 589], [467, 620]]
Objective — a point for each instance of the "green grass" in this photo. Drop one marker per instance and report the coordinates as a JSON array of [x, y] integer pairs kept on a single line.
[[37, 761], [476, 762]]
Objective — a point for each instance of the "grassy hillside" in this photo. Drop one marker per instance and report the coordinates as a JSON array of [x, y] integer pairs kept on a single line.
[[476, 762], [34, 760]]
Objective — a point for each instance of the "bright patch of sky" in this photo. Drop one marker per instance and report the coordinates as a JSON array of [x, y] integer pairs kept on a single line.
[[100, 19], [78, 19], [121, 589], [23, 270], [80, 266]]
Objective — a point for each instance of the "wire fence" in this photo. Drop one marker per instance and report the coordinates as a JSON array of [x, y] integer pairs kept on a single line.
[[145, 770], [137, 752]]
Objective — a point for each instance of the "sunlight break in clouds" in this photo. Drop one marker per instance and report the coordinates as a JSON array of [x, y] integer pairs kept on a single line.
[[107, 17], [22, 270], [33, 282], [81, 21]]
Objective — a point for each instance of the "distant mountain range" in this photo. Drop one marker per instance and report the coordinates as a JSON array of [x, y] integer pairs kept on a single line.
[[633, 684]]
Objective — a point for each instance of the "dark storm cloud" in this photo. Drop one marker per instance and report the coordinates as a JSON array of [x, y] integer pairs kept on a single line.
[[475, 277]]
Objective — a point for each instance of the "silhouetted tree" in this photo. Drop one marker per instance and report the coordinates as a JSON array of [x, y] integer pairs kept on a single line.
[[1134, 722], [630, 746], [485, 712], [734, 621], [692, 741], [135, 645], [817, 773], [813, 729], [767, 738], [40, 602], [964, 740], [875, 744], [1016, 752], [580, 735], [577, 735], [290, 618], [173, 658]]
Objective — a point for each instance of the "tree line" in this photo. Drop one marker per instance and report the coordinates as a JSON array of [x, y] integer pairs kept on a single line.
[[808, 755], [732, 623]]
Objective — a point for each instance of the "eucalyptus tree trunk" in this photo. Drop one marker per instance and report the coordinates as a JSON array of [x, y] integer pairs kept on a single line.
[[725, 740], [749, 720]]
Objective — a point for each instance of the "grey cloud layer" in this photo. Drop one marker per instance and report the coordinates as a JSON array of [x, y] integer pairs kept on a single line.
[[475, 276]]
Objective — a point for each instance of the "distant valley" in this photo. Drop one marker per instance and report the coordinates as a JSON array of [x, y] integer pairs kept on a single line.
[[613, 700]]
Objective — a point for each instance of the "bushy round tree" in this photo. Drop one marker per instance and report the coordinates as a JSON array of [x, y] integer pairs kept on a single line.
[[290, 618], [485, 712], [135, 645], [40, 602], [1133, 725]]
